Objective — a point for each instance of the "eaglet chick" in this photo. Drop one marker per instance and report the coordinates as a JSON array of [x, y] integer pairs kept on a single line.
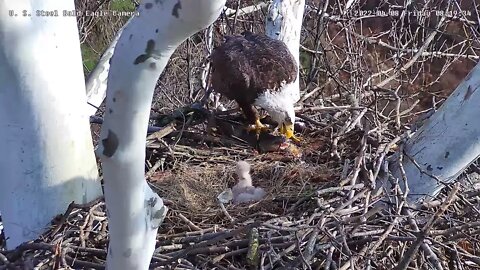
[[244, 191]]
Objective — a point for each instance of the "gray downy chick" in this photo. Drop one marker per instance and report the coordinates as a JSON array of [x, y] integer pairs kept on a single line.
[[244, 191]]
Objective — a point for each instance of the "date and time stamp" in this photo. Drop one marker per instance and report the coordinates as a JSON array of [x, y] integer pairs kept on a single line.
[[72, 13], [415, 13]]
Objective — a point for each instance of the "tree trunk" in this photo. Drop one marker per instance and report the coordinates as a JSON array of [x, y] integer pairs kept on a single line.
[[96, 84], [47, 156], [284, 22], [445, 145], [134, 211]]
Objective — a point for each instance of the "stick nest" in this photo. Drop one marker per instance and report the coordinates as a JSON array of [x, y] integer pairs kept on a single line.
[[319, 212]]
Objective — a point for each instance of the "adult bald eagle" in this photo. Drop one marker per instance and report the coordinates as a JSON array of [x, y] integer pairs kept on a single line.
[[256, 70]]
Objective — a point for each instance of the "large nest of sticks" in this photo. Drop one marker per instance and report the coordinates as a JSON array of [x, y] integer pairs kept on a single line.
[[365, 85], [315, 216], [319, 213]]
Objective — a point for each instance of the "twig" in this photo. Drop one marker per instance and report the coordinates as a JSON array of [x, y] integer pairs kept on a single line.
[[190, 224], [410, 253]]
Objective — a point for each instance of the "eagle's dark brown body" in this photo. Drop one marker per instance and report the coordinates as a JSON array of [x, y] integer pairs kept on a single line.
[[246, 66]]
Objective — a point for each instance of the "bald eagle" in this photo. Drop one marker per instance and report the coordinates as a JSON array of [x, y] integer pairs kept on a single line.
[[256, 70]]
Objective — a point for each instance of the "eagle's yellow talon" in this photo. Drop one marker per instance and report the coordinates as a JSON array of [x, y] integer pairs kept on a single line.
[[258, 127]]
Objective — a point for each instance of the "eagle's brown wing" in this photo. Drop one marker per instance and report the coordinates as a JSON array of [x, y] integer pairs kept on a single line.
[[245, 66], [228, 77], [274, 61]]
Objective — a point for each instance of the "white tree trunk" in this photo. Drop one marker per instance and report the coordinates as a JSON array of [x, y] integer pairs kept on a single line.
[[284, 22], [230, 12], [446, 144], [47, 156], [134, 211], [96, 84]]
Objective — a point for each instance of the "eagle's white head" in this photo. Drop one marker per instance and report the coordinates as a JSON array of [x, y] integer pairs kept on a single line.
[[280, 106], [285, 117]]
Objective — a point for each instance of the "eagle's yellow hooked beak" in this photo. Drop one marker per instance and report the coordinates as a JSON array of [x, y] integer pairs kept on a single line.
[[287, 130]]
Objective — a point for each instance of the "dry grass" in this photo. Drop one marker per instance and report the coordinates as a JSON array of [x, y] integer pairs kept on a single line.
[[193, 190]]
